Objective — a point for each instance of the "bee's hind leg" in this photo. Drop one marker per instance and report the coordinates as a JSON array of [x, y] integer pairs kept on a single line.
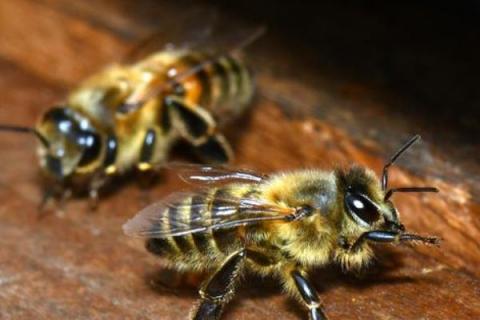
[[215, 150], [219, 288], [199, 128]]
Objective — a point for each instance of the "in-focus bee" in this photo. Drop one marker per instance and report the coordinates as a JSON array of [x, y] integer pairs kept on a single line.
[[281, 225], [129, 116]]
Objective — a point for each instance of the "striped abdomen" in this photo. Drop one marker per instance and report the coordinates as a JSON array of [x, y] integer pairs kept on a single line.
[[197, 250], [223, 85]]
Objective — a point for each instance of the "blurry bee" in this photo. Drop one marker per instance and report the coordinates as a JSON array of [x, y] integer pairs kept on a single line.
[[281, 225], [129, 116]]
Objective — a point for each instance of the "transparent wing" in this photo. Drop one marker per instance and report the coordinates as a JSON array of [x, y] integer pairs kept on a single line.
[[182, 32], [186, 213], [200, 28], [210, 175], [214, 35]]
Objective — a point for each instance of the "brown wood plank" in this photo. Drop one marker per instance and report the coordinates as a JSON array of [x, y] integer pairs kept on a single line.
[[45, 34]]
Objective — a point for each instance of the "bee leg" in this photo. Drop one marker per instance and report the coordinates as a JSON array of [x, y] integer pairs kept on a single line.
[[60, 195], [198, 127], [219, 288], [147, 152], [146, 164], [98, 181], [65, 195], [48, 194], [390, 237], [302, 287], [195, 123], [215, 150]]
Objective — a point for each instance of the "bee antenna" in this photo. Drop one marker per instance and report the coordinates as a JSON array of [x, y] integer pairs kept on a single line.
[[254, 36], [409, 189], [20, 129], [394, 158]]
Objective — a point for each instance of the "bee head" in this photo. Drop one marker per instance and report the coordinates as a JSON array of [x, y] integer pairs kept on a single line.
[[366, 199], [363, 201], [70, 142]]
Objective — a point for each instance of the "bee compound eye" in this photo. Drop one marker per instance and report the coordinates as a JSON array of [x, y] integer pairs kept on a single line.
[[361, 208], [92, 145], [57, 115]]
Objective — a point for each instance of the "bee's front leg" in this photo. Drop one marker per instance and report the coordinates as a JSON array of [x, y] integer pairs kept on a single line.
[[149, 163], [98, 180], [60, 192], [297, 283], [48, 193], [219, 288]]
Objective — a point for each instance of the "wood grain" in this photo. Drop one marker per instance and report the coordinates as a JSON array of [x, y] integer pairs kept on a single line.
[[79, 265]]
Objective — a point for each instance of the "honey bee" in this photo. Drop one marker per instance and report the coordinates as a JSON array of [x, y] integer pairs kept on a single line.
[[281, 225], [129, 115]]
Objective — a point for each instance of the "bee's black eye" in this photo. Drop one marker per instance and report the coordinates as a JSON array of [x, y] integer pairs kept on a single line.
[[92, 145], [361, 209]]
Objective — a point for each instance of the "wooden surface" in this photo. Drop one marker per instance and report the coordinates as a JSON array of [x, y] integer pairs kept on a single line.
[[332, 102]]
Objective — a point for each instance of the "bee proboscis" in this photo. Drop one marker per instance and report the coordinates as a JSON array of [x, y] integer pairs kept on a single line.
[[281, 225]]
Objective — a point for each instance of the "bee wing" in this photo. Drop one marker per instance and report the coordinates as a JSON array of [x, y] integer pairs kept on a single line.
[[180, 214], [215, 37], [186, 31], [211, 175], [200, 28]]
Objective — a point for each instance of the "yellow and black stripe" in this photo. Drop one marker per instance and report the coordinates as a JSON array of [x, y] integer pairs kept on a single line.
[[210, 243], [224, 83], [225, 239]]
